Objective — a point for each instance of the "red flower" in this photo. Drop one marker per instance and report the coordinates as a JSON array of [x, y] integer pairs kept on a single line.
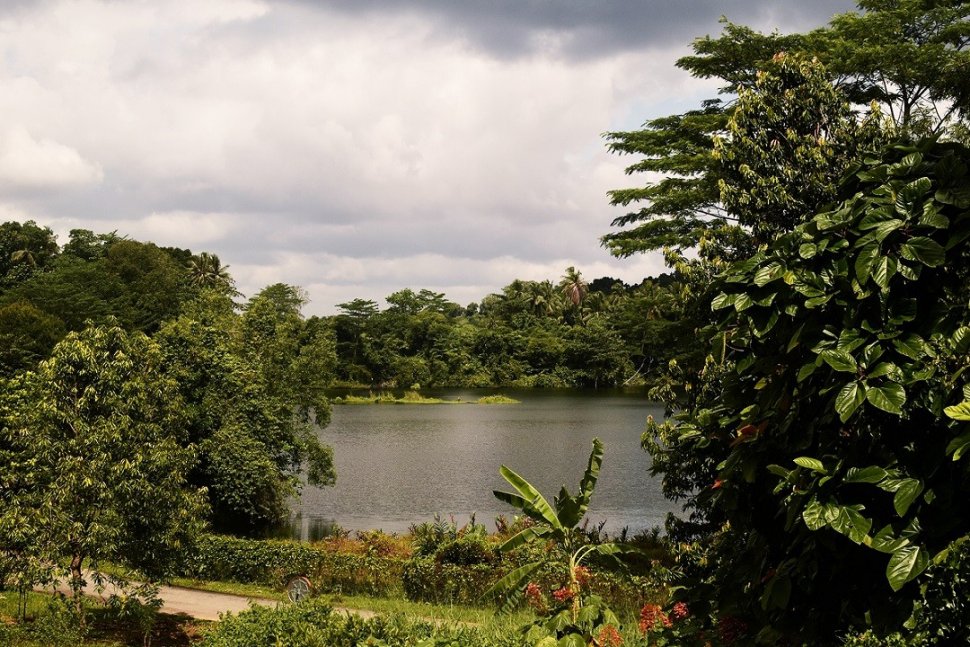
[[680, 611], [609, 637], [717, 484], [563, 594], [652, 617], [534, 597]]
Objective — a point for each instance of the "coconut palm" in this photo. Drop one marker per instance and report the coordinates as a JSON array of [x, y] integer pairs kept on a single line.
[[206, 270], [574, 286]]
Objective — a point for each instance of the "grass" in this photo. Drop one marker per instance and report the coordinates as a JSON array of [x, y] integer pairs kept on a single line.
[[413, 397], [425, 610]]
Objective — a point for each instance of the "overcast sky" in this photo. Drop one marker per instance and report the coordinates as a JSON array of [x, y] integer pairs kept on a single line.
[[352, 147]]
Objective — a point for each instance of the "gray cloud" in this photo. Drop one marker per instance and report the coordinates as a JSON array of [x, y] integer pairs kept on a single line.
[[354, 148], [585, 28]]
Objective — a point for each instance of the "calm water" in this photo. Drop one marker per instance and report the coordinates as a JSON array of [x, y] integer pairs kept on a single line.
[[401, 464]]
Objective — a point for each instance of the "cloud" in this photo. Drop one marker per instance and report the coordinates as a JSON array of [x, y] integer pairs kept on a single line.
[[343, 146], [579, 29], [28, 164]]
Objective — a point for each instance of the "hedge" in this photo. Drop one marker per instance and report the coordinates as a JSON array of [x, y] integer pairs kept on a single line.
[[270, 562]]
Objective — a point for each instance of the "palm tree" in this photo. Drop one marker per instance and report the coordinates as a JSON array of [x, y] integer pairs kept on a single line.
[[574, 286], [207, 271]]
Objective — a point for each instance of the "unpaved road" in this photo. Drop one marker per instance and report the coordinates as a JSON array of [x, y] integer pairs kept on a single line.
[[203, 605]]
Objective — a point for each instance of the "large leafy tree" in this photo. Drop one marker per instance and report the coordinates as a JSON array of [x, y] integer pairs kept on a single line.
[[825, 444], [256, 438], [94, 466], [910, 56]]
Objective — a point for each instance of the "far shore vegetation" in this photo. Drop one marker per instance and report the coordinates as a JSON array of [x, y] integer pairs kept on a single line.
[[413, 397]]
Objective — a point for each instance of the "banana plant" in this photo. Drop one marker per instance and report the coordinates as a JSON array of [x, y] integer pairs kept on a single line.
[[558, 523]]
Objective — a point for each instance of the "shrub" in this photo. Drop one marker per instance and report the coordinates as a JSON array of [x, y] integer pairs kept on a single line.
[[313, 624], [269, 562]]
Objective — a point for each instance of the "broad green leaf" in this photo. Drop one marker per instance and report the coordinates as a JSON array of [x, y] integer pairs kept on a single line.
[[883, 270], [768, 273], [905, 564], [805, 371], [513, 581], [524, 536], [572, 640], [586, 485], [886, 368], [871, 474], [885, 541], [925, 250], [959, 411], [959, 446], [811, 463], [907, 492], [839, 360], [537, 507], [864, 261], [743, 302], [777, 593], [851, 523], [778, 470], [849, 340], [814, 515], [807, 250], [889, 397], [961, 340], [912, 346], [909, 194], [723, 300], [933, 218], [849, 398]]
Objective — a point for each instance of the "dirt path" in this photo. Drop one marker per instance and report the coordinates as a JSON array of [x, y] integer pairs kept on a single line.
[[203, 605]]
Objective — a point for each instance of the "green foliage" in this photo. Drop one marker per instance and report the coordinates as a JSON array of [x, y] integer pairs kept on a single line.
[[93, 468], [790, 139], [255, 436], [270, 562], [27, 335], [313, 624], [25, 249], [577, 618], [819, 438], [909, 56]]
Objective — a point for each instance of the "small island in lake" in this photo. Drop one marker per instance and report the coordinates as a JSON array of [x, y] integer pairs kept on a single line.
[[413, 397]]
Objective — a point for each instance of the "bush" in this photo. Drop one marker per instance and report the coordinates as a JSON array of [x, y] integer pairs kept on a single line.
[[313, 624], [428, 580], [270, 562]]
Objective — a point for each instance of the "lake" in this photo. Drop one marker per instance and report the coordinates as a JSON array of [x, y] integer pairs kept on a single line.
[[401, 464]]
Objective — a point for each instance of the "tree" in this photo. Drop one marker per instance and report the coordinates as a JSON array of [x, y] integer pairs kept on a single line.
[[909, 55], [27, 335], [252, 388], [824, 447], [25, 248], [788, 143], [93, 442], [573, 286], [153, 284], [207, 271]]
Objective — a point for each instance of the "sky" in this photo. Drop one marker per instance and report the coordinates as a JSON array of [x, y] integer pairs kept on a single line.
[[350, 147]]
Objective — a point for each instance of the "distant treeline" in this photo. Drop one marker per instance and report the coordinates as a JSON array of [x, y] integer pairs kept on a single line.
[[532, 333]]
